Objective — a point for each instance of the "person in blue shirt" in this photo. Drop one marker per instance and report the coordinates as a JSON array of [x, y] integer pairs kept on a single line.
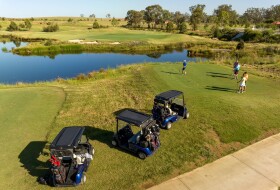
[[184, 67], [236, 68]]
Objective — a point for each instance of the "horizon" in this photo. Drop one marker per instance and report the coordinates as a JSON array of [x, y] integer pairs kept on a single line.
[[70, 8]]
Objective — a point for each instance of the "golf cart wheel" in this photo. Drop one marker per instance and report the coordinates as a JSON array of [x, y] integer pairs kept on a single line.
[[114, 143], [187, 115], [52, 181], [142, 155], [168, 125]]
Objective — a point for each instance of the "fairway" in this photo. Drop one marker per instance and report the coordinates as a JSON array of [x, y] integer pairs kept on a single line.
[[26, 116], [70, 31], [221, 121]]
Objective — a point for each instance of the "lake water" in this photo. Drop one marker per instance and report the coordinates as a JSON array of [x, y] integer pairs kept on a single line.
[[16, 68]]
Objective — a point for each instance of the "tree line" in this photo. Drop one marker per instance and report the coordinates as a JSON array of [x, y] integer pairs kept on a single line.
[[155, 17]]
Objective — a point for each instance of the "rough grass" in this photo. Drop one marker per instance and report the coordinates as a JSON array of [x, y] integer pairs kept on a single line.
[[221, 121]]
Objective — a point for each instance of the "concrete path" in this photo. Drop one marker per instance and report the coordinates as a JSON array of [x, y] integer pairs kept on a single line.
[[256, 167]]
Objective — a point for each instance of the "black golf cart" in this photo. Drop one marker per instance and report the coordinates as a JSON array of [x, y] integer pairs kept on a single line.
[[144, 142], [71, 154], [169, 107]]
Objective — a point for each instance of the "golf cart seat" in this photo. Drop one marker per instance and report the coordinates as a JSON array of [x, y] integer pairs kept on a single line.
[[177, 109], [135, 138], [125, 133]]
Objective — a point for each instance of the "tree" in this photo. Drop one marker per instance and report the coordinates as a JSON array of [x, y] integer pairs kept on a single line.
[[108, 15], [115, 22], [153, 14], [197, 15], [92, 16], [27, 24], [225, 15], [254, 15], [12, 27], [82, 15], [179, 18], [166, 17], [183, 28], [273, 13], [134, 18]]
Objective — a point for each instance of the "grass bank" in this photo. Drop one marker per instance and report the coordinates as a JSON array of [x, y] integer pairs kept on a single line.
[[128, 47], [221, 120]]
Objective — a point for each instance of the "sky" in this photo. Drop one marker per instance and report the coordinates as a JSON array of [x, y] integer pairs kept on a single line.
[[116, 8]]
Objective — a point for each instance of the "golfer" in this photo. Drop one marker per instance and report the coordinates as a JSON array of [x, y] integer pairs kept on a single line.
[[184, 67], [242, 86], [236, 68]]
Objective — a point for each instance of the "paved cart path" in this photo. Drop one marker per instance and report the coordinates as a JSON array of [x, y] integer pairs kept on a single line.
[[256, 167]]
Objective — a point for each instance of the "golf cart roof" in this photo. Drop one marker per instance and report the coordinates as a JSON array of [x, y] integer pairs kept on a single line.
[[168, 95], [68, 137], [134, 117]]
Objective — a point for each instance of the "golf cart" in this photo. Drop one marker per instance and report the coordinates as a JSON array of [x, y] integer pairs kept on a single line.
[[71, 154], [144, 142], [169, 107]]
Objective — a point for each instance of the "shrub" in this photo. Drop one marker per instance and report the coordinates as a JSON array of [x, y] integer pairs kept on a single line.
[[95, 24], [115, 22], [27, 24], [251, 35], [12, 27], [21, 25], [4, 49], [81, 77], [48, 43], [216, 33], [169, 26], [240, 45], [51, 28]]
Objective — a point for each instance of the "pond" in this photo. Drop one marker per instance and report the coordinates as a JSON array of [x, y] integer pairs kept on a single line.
[[16, 68]]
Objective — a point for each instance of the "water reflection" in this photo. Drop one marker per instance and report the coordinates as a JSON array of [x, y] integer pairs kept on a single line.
[[15, 68]]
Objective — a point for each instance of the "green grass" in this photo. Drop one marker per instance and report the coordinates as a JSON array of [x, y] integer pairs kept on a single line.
[[79, 30], [221, 121], [26, 116]]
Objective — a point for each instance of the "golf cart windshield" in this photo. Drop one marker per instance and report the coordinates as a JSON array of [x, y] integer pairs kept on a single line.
[[178, 100]]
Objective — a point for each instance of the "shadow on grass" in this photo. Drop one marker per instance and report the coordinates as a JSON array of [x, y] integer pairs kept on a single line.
[[214, 73], [220, 89], [219, 75], [101, 135], [172, 73], [29, 158]]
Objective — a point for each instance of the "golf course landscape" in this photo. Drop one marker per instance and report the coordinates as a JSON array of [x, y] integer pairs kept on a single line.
[[221, 121], [61, 70]]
